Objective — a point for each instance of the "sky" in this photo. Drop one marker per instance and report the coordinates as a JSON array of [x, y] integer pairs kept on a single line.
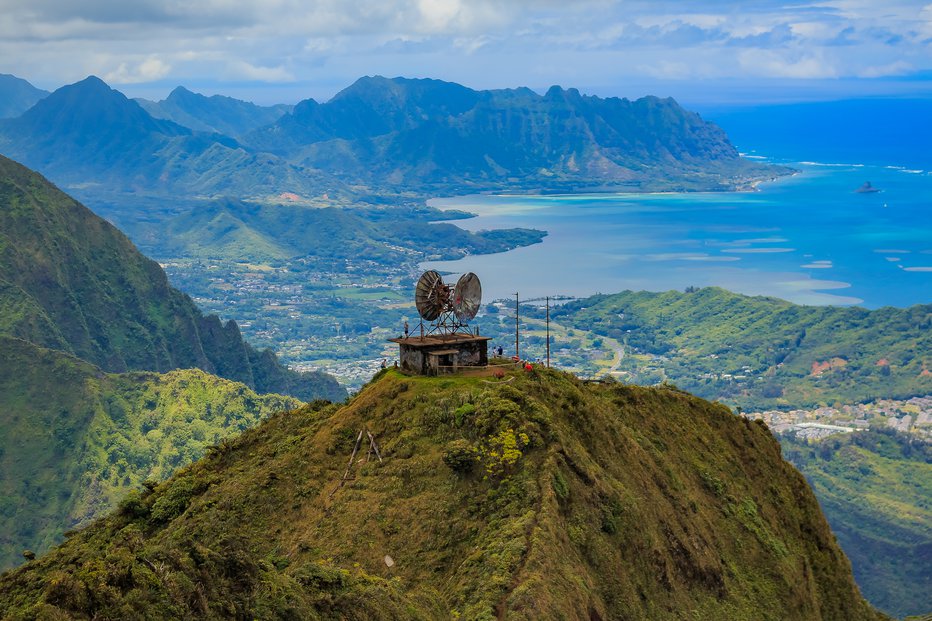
[[707, 52]]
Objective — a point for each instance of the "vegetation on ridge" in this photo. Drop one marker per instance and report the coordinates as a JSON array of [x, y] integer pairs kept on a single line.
[[761, 352], [593, 502], [76, 440], [875, 488], [71, 281]]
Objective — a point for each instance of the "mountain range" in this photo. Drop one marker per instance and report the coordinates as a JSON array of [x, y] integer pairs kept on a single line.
[[535, 496], [387, 136], [216, 114], [91, 138], [409, 133]]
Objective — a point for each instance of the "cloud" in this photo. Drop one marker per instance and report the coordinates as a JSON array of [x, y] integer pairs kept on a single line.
[[242, 70], [149, 70], [896, 68], [485, 43], [770, 63]]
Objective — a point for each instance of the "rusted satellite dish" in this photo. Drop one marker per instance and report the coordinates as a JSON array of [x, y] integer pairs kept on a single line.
[[431, 295], [466, 297]]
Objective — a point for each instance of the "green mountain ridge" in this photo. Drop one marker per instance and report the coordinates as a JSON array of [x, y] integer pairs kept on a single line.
[[388, 137], [71, 281], [423, 133], [533, 497], [238, 230], [762, 352], [215, 114], [876, 491], [89, 137], [76, 440]]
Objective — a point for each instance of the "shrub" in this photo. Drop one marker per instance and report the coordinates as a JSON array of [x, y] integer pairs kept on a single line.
[[459, 456]]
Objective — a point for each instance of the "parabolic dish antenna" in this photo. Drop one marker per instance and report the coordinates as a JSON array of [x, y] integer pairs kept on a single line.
[[430, 295], [466, 297]]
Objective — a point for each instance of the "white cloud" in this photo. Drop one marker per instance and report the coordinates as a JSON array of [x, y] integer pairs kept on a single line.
[[899, 67], [149, 70], [242, 70], [487, 43], [778, 64], [436, 15]]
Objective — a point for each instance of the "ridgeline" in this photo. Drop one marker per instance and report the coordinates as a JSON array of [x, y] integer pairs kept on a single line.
[[531, 497], [71, 281]]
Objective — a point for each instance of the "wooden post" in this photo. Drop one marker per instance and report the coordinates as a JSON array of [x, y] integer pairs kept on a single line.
[[548, 331], [373, 445], [517, 350], [350, 464]]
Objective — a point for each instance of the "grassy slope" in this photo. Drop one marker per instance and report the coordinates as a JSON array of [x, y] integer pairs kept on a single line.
[[887, 352], [876, 491], [236, 230], [583, 502], [75, 440], [70, 280]]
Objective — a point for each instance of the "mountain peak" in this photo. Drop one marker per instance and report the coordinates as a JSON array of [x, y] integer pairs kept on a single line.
[[180, 92], [91, 82], [17, 95], [90, 110], [535, 497]]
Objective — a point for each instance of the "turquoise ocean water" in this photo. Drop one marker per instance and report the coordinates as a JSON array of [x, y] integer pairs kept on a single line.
[[808, 238]]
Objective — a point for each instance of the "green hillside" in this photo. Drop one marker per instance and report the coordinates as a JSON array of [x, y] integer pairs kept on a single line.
[[533, 497], [876, 491], [760, 352], [75, 440], [434, 136], [71, 281], [240, 231]]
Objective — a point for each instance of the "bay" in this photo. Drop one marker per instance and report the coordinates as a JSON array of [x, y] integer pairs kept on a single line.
[[809, 238]]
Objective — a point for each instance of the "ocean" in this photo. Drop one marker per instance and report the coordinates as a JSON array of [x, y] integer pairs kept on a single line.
[[809, 238]]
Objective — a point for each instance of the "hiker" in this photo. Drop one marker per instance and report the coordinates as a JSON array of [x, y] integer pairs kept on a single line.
[[384, 363], [527, 366], [501, 351]]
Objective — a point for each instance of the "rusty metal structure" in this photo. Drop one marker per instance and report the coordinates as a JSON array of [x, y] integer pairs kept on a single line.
[[447, 343], [449, 309]]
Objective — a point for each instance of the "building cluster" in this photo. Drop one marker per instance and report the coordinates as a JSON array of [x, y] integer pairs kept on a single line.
[[907, 416]]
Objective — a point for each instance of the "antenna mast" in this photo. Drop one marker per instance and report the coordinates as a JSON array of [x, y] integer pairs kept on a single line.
[[517, 352]]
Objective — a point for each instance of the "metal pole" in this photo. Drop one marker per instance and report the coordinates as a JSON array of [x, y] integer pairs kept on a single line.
[[548, 331], [517, 352]]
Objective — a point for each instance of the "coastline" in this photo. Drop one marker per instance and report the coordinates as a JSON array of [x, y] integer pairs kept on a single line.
[[797, 241]]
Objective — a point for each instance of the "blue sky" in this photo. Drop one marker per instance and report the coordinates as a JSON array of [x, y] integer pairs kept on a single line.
[[269, 51]]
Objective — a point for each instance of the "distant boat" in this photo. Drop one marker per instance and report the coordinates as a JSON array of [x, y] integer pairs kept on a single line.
[[867, 188]]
